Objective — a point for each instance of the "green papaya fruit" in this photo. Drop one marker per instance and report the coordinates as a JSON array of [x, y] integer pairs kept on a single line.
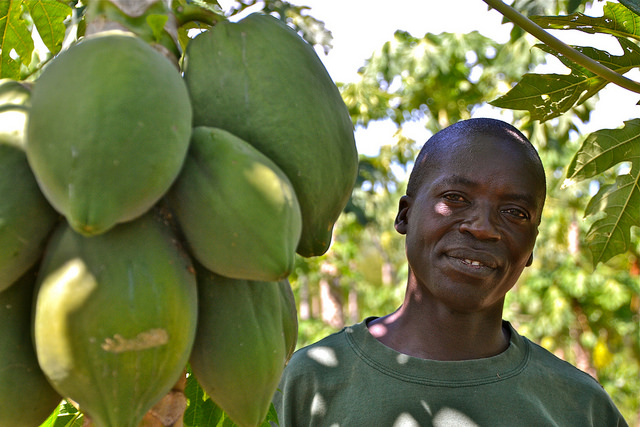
[[115, 318], [259, 80], [26, 397], [243, 342], [14, 110], [289, 317], [26, 218], [237, 209], [107, 144]]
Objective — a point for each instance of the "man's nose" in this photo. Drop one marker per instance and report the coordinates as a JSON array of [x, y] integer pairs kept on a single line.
[[481, 223]]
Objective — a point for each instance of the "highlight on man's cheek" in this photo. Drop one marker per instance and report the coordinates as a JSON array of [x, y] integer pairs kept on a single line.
[[442, 209]]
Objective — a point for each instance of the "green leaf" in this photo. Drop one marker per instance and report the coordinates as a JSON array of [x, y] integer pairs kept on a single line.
[[616, 20], [611, 235], [156, 23], [620, 202], [14, 36], [212, 415], [547, 96], [196, 396], [433, 76], [48, 17], [65, 415], [604, 149], [203, 412], [272, 416]]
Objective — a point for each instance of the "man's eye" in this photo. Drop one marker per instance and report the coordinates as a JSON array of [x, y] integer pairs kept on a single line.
[[453, 198], [517, 213]]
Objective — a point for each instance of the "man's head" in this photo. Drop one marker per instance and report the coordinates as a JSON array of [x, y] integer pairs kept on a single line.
[[471, 213]]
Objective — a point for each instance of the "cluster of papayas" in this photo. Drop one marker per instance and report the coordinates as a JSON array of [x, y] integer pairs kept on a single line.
[[150, 217]]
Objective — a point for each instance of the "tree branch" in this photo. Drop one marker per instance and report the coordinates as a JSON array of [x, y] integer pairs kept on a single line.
[[559, 46]]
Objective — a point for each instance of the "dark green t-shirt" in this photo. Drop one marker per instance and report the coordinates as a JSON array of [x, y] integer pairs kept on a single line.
[[350, 379]]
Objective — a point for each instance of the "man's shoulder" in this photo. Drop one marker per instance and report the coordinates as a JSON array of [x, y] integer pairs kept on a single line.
[[542, 360], [328, 352]]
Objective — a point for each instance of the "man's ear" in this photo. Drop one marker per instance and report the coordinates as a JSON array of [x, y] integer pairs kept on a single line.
[[402, 217], [530, 260]]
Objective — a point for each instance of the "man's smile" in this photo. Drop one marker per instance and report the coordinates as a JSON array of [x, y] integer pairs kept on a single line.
[[472, 262], [473, 258]]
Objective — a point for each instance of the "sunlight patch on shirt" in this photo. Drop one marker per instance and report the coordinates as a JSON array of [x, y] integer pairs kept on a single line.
[[448, 417], [426, 406], [406, 420], [402, 359], [324, 355], [318, 405]]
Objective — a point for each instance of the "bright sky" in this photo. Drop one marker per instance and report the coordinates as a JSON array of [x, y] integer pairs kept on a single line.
[[359, 27]]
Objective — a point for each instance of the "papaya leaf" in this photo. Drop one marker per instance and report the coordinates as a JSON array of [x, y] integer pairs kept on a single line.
[[547, 96], [202, 411], [620, 202], [212, 415], [65, 415], [15, 39], [611, 235], [633, 5], [617, 20], [196, 397], [48, 17], [604, 149], [156, 23], [272, 417]]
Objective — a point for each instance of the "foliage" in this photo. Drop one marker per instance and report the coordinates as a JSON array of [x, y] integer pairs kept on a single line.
[[16, 17], [202, 411], [547, 96], [65, 415], [58, 23], [439, 77], [602, 151]]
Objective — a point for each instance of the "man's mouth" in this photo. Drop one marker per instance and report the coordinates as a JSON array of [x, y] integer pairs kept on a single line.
[[473, 262], [477, 260]]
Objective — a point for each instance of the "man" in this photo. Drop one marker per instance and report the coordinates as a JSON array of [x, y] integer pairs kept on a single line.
[[446, 357]]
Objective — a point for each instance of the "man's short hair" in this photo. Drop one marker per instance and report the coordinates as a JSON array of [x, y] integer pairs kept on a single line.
[[472, 128]]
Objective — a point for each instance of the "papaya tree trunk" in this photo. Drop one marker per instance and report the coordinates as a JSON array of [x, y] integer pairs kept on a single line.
[[331, 305], [304, 311]]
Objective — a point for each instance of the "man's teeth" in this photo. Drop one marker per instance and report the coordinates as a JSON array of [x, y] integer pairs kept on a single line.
[[472, 262]]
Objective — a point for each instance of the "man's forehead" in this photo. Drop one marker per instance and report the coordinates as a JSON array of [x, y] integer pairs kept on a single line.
[[472, 166]]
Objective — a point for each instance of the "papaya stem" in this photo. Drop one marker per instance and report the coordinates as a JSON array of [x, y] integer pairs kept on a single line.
[[559, 46], [169, 411], [192, 13]]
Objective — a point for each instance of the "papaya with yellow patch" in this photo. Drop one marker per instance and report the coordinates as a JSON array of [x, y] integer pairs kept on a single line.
[[14, 110], [238, 211], [115, 317], [258, 79]]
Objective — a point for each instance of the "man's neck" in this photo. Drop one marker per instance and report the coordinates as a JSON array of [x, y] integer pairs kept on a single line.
[[428, 332]]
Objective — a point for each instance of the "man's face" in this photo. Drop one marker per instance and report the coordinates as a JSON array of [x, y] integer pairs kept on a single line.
[[471, 227]]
